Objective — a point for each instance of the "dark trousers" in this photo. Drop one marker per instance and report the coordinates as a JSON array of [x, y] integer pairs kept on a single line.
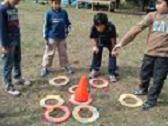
[[12, 61], [97, 59], [156, 67]]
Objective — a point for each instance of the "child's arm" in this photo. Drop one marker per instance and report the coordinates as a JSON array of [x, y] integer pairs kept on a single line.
[[46, 27], [68, 23], [93, 36], [3, 30], [133, 32], [114, 36], [95, 48]]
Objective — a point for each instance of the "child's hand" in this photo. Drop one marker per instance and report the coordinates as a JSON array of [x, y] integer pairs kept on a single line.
[[95, 49], [116, 49]]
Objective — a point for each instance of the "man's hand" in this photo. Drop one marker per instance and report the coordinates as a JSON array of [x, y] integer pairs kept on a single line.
[[95, 49], [116, 49]]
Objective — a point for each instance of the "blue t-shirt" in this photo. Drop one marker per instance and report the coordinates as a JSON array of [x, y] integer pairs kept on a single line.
[[56, 24], [9, 26]]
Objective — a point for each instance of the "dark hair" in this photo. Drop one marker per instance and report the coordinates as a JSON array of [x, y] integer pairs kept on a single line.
[[56, 0], [100, 19], [166, 1]]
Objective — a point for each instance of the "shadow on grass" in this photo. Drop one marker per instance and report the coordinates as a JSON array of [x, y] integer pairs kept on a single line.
[[124, 71], [163, 101], [129, 71]]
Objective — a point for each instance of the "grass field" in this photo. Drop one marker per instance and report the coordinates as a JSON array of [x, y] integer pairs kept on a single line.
[[25, 110]]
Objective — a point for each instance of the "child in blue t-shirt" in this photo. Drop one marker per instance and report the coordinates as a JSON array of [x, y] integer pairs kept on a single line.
[[55, 31]]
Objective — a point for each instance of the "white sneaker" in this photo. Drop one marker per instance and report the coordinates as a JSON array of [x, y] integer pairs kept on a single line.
[[69, 70], [112, 78], [22, 82], [12, 91], [94, 74]]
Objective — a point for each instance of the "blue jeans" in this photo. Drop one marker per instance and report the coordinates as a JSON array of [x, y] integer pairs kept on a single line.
[[12, 61], [97, 59]]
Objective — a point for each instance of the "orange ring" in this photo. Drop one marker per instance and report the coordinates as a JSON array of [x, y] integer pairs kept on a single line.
[[72, 100], [104, 84], [65, 117], [72, 89]]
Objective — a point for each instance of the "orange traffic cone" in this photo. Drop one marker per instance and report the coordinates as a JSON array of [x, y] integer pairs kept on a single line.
[[82, 92]]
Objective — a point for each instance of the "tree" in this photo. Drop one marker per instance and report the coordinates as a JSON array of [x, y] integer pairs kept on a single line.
[[118, 3]]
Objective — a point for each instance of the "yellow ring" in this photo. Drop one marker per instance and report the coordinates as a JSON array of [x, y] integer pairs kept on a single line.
[[65, 82], [104, 84], [95, 114], [51, 97], [138, 103], [72, 89], [72, 100]]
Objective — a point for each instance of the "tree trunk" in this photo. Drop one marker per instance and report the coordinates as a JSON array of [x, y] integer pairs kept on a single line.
[[118, 3]]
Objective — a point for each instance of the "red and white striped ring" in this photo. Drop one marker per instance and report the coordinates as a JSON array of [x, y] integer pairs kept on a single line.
[[64, 118]]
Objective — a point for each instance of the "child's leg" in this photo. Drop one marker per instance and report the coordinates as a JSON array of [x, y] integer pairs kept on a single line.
[[62, 52], [112, 66], [49, 54], [17, 62], [146, 72], [7, 67], [96, 61], [160, 74]]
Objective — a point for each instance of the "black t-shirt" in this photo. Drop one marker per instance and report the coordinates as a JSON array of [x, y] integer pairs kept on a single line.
[[104, 38]]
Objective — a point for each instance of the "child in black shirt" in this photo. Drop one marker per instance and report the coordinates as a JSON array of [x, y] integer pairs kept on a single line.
[[103, 34]]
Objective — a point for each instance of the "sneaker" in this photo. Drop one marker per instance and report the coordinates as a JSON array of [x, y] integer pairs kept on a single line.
[[44, 72], [22, 82], [140, 91], [93, 74], [12, 91], [147, 106], [69, 70], [113, 78]]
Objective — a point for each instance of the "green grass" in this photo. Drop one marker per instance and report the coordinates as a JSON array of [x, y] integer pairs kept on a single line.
[[25, 110]]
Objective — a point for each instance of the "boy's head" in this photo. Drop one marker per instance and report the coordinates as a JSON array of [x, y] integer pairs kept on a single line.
[[13, 2], [100, 21], [162, 6], [56, 4]]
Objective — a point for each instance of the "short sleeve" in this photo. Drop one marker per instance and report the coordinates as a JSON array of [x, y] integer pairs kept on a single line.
[[112, 31], [146, 21], [93, 33]]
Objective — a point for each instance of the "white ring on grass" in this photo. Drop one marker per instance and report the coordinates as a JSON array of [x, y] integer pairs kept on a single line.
[[138, 103], [104, 83], [59, 100], [94, 117], [72, 89], [65, 82]]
